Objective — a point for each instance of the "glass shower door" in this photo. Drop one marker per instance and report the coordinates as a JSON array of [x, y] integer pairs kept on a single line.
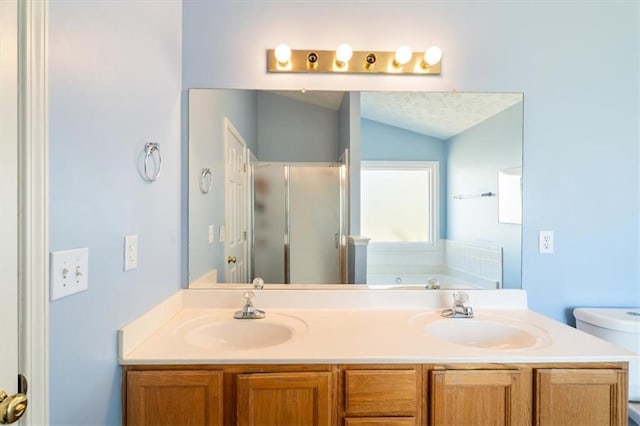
[[297, 223], [314, 224]]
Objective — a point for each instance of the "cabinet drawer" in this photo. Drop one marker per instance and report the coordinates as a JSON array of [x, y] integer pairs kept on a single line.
[[381, 392]]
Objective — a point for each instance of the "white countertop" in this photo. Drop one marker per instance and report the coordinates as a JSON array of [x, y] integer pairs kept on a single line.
[[352, 326]]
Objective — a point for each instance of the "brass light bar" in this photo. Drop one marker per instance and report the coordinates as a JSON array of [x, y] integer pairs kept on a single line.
[[361, 62]]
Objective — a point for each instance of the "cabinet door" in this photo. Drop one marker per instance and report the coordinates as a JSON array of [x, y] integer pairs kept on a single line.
[[174, 398], [480, 397], [581, 397], [281, 399]]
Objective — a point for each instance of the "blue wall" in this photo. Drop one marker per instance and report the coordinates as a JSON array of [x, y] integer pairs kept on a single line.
[[383, 142], [115, 81], [474, 158], [115, 74], [576, 113], [208, 109], [292, 130]]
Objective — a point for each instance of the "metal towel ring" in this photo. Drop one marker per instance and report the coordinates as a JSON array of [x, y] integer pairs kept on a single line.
[[149, 149], [206, 181]]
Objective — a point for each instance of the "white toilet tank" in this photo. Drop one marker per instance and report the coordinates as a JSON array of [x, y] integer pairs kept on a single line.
[[619, 326]]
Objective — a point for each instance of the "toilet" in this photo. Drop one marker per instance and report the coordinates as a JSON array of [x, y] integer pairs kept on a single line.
[[621, 327]]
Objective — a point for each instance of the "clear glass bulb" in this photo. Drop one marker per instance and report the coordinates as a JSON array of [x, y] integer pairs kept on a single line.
[[403, 55], [344, 52], [433, 55], [283, 53]]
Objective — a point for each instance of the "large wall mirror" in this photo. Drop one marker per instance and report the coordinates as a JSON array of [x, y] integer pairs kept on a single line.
[[281, 183]]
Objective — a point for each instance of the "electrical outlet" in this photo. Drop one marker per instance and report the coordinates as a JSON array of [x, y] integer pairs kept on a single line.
[[545, 242], [130, 252], [68, 272]]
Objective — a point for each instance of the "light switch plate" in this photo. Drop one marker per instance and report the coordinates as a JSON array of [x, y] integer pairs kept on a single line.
[[211, 234], [68, 272], [130, 252]]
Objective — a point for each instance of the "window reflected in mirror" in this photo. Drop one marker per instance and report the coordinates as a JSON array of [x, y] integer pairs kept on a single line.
[[510, 195]]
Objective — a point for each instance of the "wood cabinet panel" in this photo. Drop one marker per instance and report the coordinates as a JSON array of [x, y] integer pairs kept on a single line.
[[581, 397], [376, 394], [381, 392], [380, 421], [480, 397], [187, 398], [280, 399]]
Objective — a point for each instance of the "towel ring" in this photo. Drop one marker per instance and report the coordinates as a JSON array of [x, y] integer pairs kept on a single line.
[[206, 181], [149, 149]]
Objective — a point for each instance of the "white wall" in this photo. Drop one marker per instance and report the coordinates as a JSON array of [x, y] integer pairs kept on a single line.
[[114, 76]]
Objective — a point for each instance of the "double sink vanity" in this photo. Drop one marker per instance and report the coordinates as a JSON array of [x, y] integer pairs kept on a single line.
[[356, 356]]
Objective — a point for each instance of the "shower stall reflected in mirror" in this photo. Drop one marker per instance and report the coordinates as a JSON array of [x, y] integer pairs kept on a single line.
[[298, 222]]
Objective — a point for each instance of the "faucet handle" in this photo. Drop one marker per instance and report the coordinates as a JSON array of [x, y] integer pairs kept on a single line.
[[247, 296], [460, 298], [258, 283]]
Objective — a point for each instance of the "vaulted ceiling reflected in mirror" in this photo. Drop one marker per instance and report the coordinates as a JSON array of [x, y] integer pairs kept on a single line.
[[278, 168]]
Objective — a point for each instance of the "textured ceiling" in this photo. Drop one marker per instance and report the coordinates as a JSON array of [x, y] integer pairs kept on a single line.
[[438, 114], [324, 99]]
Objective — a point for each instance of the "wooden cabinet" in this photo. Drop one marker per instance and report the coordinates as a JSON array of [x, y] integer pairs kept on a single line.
[[280, 399], [379, 421], [575, 396], [381, 394], [480, 397], [377, 394], [168, 397]]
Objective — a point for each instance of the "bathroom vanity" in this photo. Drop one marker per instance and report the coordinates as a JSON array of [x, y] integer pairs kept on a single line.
[[364, 357]]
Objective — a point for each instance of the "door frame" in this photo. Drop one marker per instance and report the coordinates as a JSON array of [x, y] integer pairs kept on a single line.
[[9, 195], [33, 189]]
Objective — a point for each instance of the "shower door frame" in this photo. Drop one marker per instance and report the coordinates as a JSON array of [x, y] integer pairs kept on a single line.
[[342, 222]]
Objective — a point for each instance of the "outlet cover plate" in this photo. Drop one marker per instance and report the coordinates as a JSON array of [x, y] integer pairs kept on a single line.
[[545, 242], [68, 272]]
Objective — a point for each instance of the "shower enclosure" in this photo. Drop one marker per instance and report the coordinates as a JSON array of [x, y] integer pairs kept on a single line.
[[298, 222]]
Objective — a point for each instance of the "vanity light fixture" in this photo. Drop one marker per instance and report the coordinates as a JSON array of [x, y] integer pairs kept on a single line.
[[402, 56], [344, 53], [282, 54], [344, 59], [432, 56]]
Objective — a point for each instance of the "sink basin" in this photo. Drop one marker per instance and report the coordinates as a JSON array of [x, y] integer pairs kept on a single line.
[[223, 332], [487, 332]]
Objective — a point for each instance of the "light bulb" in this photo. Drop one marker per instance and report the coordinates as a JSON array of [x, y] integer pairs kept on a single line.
[[344, 52], [433, 55], [283, 53], [403, 55]]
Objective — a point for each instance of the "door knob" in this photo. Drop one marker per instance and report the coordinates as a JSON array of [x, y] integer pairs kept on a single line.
[[231, 259], [12, 407]]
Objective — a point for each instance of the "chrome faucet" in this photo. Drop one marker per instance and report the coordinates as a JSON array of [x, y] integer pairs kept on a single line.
[[432, 284], [248, 311], [459, 310]]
